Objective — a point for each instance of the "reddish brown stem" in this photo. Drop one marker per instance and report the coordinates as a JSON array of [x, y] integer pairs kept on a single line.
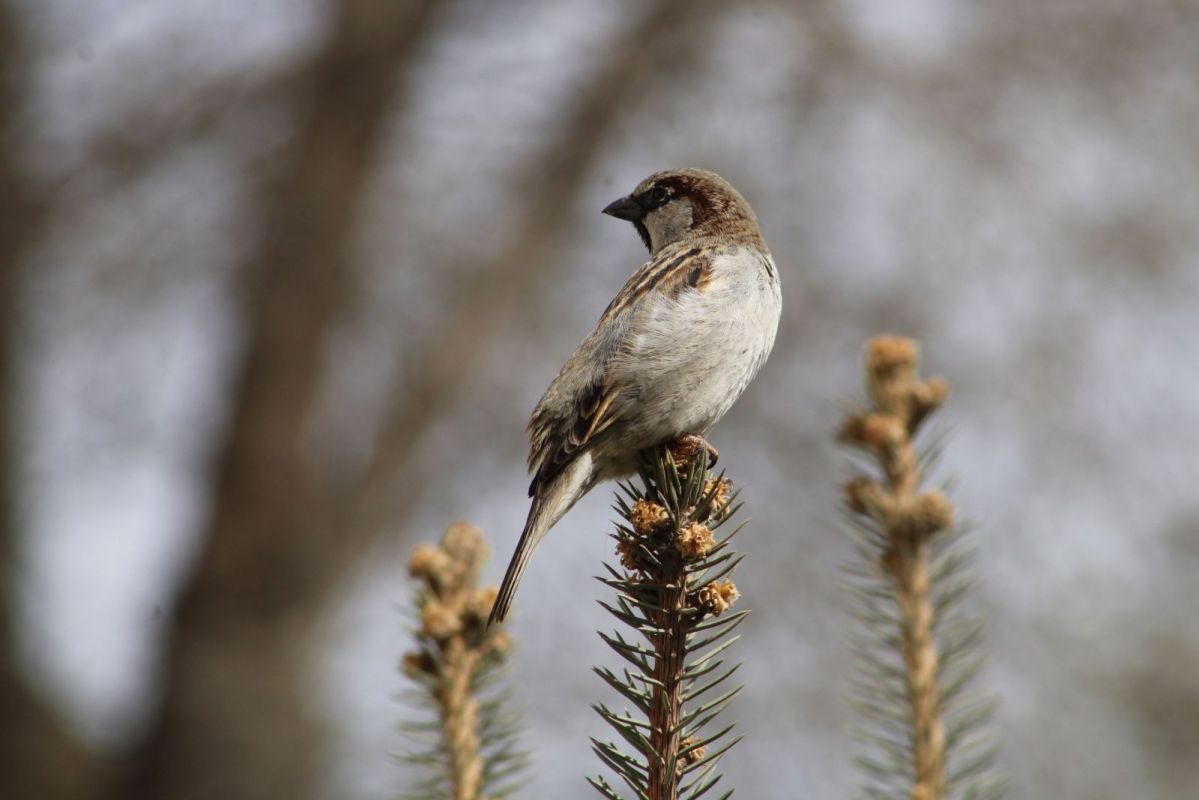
[[670, 647]]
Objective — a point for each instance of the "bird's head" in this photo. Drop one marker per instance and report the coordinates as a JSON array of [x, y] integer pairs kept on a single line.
[[671, 206]]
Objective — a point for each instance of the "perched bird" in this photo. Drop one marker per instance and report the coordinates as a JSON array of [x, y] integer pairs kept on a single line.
[[669, 356]]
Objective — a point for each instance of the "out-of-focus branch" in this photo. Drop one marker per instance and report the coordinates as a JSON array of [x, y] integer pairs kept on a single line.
[[908, 519], [38, 757], [484, 305], [232, 722], [163, 124], [475, 757], [917, 652]]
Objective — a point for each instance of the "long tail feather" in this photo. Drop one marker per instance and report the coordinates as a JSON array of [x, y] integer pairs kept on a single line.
[[516, 567], [549, 504]]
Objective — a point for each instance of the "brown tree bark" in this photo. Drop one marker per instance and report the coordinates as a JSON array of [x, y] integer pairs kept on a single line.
[[38, 758], [232, 723]]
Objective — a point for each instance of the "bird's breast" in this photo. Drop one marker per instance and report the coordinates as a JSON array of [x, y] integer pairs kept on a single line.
[[695, 353]]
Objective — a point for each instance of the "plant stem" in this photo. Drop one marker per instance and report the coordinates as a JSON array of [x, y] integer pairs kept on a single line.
[[460, 715], [455, 652], [908, 565], [912, 629], [670, 588], [671, 648], [908, 521]]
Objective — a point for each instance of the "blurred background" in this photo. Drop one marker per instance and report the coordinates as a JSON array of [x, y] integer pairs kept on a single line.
[[282, 281]]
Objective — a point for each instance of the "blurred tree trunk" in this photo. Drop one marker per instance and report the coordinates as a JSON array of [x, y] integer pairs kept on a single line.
[[38, 756], [667, 39], [232, 723]]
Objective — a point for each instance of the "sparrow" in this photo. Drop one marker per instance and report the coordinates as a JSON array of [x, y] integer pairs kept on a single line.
[[669, 355]]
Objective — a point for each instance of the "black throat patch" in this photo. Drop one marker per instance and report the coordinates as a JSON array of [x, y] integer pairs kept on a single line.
[[639, 224]]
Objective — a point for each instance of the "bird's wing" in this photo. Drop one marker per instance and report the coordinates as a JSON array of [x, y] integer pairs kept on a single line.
[[669, 273], [583, 401], [558, 437]]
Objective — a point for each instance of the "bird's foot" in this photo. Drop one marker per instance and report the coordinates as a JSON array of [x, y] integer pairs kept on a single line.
[[683, 447]]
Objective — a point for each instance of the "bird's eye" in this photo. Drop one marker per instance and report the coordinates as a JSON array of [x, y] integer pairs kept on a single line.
[[658, 196]]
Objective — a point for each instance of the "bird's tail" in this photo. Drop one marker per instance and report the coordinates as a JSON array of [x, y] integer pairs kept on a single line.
[[549, 504]]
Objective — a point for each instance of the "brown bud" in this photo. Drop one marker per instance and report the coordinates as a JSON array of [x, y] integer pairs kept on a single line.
[[690, 756], [439, 622], [929, 513], [863, 495], [851, 430], [498, 642], [419, 664], [464, 543], [694, 540], [717, 597], [720, 499], [890, 369], [478, 605], [429, 563], [886, 355], [875, 432], [648, 518], [629, 554], [927, 397], [930, 394]]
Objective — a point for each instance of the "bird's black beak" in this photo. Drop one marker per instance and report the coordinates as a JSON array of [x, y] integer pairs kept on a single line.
[[625, 208]]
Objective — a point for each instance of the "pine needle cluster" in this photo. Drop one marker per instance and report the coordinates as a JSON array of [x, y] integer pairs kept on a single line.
[[467, 742], [673, 593], [918, 651]]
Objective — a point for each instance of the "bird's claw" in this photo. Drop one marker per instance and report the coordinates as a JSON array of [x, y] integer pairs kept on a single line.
[[683, 447]]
